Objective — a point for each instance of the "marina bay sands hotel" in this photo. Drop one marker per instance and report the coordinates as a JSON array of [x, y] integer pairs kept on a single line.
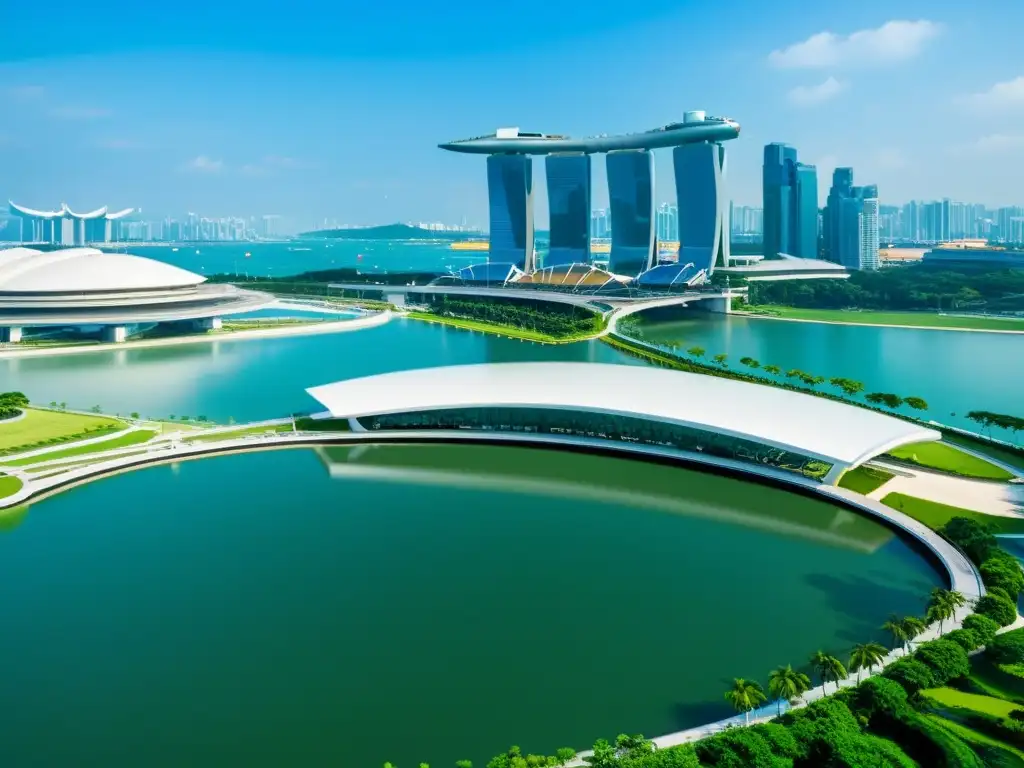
[[698, 158], [66, 227]]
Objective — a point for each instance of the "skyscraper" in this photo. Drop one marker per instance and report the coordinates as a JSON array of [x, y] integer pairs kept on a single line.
[[631, 197], [790, 193], [851, 222], [703, 205], [510, 199], [568, 179]]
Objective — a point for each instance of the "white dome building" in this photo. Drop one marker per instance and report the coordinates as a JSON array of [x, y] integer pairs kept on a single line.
[[78, 288]]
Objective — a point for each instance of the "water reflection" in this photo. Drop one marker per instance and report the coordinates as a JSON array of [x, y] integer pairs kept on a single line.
[[596, 479]]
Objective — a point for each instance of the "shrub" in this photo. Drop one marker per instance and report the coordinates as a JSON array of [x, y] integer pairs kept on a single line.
[[1002, 572], [1017, 714], [935, 746], [965, 638], [673, 757], [912, 674], [999, 609], [1007, 648], [1004, 728], [878, 694], [973, 537], [818, 728], [864, 751], [999, 592], [736, 748], [984, 627], [779, 739], [947, 660]]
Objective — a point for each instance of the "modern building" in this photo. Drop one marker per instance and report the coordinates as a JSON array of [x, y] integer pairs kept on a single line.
[[66, 227], [568, 178], [790, 191], [848, 233], [703, 419], [667, 223], [84, 292], [699, 179], [703, 205], [631, 200], [973, 254]]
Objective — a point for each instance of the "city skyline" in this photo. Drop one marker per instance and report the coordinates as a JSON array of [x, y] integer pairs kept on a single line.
[[257, 119]]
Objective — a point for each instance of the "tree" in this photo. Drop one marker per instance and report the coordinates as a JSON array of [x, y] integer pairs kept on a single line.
[[895, 627], [469, 763], [947, 660], [884, 398], [774, 370], [828, 667], [134, 415], [720, 360], [564, 755], [984, 627], [750, 362], [944, 604], [1007, 648], [63, 405], [696, 351], [53, 403], [912, 627], [786, 683], [96, 409], [917, 403], [604, 755], [744, 696], [850, 387], [795, 373], [911, 673], [973, 537], [1005, 573], [866, 655], [999, 609]]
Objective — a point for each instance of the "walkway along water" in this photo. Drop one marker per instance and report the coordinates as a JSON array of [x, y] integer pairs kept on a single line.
[[962, 574]]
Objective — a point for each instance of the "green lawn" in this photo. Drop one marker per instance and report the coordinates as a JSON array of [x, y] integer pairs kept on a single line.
[[505, 330], [992, 681], [950, 697], [873, 317], [236, 433], [1010, 755], [122, 441], [41, 428], [864, 479], [1004, 455], [9, 486], [935, 515], [948, 458]]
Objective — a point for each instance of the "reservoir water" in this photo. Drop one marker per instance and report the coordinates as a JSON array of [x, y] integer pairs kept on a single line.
[[349, 606]]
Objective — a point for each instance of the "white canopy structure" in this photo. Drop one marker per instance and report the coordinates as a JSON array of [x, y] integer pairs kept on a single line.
[[829, 431]]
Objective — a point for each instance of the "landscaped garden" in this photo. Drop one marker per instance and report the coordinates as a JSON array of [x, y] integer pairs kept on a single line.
[[864, 479], [134, 437], [935, 514], [43, 428], [947, 458]]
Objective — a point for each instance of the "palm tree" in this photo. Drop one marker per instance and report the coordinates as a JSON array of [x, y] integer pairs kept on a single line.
[[895, 627], [774, 370], [943, 605], [696, 351], [912, 627], [720, 359], [786, 683], [828, 668], [744, 696], [866, 655]]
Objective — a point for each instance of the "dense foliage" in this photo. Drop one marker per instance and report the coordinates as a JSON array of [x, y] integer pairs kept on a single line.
[[11, 404], [947, 660], [558, 320], [1007, 648], [999, 609], [983, 627], [916, 287]]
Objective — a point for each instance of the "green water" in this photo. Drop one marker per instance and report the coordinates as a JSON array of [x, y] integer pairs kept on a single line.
[[351, 606], [955, 371]]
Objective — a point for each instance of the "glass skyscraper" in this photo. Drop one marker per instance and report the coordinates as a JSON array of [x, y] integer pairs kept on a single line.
[[510, 199], [790, 192], [568, 178], [703, 207], [851, 222], [631, 197]]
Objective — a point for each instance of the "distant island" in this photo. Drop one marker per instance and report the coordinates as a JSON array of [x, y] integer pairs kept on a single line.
[[390, 232]]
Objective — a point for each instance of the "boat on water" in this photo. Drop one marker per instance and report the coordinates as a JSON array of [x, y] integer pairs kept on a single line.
[[300, 249], [174, 250]]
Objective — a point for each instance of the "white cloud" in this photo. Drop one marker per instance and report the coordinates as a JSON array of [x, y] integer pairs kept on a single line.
[[892, 42], [805, 95], [79, 113], [1007, 94], [204, 164]]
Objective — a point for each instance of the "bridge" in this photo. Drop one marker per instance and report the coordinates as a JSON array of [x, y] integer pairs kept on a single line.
[[714, 300]]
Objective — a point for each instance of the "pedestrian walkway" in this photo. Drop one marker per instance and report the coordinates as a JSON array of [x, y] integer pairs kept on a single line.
[[989, 497]]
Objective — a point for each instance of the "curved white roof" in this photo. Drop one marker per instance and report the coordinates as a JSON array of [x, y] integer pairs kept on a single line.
[[25, 270], [813, 426], [32, 212], [99, 212]]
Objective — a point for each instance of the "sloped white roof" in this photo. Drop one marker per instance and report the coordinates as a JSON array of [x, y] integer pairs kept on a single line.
[[25, 270], [806, 424]]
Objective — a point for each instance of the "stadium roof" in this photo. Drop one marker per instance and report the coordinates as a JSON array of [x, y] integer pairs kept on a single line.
[[26, 270], [64, 211], [812, 426]]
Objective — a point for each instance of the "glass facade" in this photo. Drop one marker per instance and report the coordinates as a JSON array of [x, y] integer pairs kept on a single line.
[[703, 210], [631, 194], [670, 276], [487, 273], [601, 426], [568, 179], [510, 199], [806, 236], [790, 204]]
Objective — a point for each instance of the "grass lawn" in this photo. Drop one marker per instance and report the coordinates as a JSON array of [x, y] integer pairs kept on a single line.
[[507, 330], [873, 317], [56, 470], [948, 458], [236, 433], [122, 441], [950, 697], [1010, 755], [1005, 455], [864, 479], [9, 486], [992, 681], [935, 515], [41, 428]]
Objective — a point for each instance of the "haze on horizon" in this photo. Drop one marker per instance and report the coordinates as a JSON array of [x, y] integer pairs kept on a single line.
[[314, 110]]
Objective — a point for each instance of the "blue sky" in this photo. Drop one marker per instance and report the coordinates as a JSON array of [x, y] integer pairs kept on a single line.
[[334, 109]]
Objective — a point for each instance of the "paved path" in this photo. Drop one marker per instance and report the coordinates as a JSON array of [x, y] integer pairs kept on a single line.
[[988, 496]]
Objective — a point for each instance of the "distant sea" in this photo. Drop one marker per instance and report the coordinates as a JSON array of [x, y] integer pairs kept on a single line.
[[297, 256]]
